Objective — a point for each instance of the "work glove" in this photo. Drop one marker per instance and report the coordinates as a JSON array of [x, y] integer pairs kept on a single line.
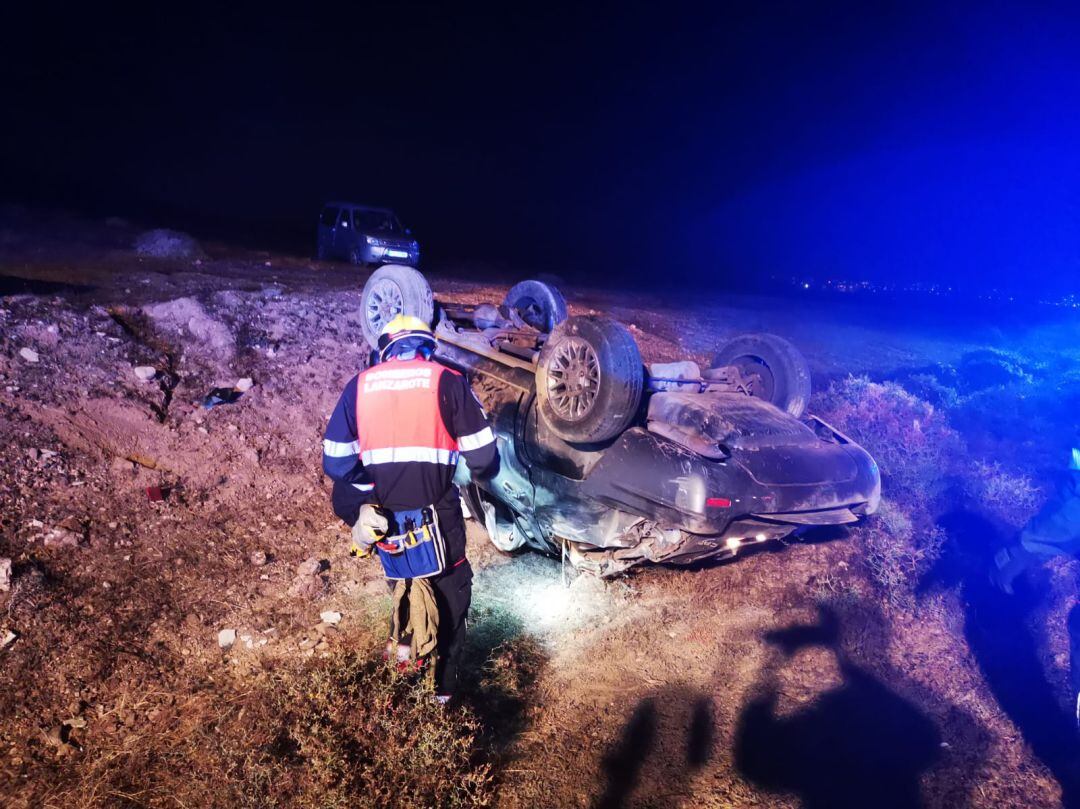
[[370, 527]]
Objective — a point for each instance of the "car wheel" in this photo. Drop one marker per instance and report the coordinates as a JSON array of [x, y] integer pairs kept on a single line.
[[320, 251], [393, 290], [589, 379], [540, 305], [775, 370]]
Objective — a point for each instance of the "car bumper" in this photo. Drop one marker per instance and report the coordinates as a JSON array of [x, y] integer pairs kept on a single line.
[[373, 254]]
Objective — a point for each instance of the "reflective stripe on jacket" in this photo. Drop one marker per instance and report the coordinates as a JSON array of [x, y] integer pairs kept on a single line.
[[400, 427]]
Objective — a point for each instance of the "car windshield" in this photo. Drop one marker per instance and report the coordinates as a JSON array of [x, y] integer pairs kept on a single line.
[[376, 222]]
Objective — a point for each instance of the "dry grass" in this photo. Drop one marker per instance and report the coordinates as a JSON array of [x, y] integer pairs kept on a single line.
[[339, 732]]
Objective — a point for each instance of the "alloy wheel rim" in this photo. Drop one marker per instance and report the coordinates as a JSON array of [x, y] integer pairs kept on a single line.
[[573, 379], [384, 303]]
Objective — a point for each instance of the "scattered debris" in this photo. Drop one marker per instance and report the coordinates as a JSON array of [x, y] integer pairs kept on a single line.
[[258, 558], [219, 396], [145, 372], [59, 736], [226, 638], [330, 617], [244, 384], [142, 460], [155, 494], [5, 574], [8, 639], [41, 455], [28, 354]]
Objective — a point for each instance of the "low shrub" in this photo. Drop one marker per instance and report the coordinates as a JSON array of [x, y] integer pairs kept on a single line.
[[167, 244], [993, 368], [917, 452], [910, 438], [341, 732], [1011, 498], [899, 551]]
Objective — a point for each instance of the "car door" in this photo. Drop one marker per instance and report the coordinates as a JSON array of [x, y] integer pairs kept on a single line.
[[324, 236], [344, 240]]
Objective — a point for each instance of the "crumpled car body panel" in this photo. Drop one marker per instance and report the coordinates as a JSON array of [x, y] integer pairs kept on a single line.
[[645, 497]]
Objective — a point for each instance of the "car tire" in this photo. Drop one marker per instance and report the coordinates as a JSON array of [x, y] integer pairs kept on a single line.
[[393, 289], [320, 251], [540, 305], [589, 379], [777, 369]]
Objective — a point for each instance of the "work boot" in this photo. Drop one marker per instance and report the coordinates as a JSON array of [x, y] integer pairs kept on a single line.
[[1009, 563]]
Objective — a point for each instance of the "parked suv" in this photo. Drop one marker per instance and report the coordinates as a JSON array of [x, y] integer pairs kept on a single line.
[[363, 235]]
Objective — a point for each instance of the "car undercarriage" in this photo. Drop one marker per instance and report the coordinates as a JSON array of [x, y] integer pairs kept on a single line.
[[612, 463]]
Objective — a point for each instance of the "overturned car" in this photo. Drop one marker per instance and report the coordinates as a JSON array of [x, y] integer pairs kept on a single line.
[[613, 464]]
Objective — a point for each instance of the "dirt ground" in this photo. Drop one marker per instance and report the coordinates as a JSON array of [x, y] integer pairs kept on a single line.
[[775, 680]]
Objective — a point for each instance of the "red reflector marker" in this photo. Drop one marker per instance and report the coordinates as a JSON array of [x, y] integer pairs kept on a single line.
[[718, 502]]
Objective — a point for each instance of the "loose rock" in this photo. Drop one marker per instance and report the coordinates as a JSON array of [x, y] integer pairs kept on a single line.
[[145, 372], [226, 638], [330, 617], [257, 558], [309, 567], [28, 354], [5, 574], [61, 537], [308, 583]]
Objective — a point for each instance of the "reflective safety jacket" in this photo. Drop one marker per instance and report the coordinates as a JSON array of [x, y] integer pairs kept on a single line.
[[399, 429]]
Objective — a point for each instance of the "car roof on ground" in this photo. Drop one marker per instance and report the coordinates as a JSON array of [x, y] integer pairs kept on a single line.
[[358, 206]]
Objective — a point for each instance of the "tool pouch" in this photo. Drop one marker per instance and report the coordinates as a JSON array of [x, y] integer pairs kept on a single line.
[[413, 547]]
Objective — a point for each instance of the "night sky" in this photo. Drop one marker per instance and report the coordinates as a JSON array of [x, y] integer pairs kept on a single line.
[[862, 140]]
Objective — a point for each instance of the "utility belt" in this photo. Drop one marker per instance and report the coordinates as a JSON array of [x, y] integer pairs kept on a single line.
[[413, 547]]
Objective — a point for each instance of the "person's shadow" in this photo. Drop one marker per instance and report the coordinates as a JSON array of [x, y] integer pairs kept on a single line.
[[858, 745], [998, 628], [624, 762]]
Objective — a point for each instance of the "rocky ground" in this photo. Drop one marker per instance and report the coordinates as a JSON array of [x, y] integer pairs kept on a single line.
[[166, 558]]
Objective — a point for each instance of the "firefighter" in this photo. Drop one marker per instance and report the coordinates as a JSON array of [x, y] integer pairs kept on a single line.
[[1054, 531], [391, 447]]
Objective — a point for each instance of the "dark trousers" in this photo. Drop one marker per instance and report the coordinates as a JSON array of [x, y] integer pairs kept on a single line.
[[453, 587], [453, 594]]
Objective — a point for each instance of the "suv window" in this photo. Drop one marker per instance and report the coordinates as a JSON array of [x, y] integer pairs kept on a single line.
[[329, 216], [376, 222]]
